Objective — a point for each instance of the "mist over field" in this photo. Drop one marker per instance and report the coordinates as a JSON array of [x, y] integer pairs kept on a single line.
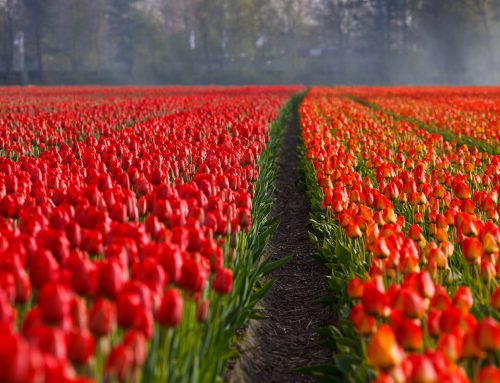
[[249, 41]]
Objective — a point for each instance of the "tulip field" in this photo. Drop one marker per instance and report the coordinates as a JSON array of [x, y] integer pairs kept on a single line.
[[132, 227], [134, 223], [404, 187]]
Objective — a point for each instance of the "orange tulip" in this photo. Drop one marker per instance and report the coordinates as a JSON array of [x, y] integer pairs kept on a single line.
[[472, 249], [383, 350], [352, 230], [470, 348], [355, 288], [451, 346]]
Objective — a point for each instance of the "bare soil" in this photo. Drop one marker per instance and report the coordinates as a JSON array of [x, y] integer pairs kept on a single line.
[[271, 349]]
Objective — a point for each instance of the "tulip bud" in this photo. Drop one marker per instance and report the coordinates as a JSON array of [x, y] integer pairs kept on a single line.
[[472, 249], [127, 305], [383, 350], [433, 322], [419, 218], [223, 281], [495, 299], [488, 271], [425, 285], [170, 311], [451, 346], [489, 243], [422, 370], [470, 347], [202, 310], [80, 345], [102, 318], [415, 233], [120, 363], [463, 299], [355, 288], [381, 249], [193, 275], [488, 374], [413, 304], [374, 299], [488, 334], [111, 278], [409, 334], [136, 342], [365, 324], [54, 302]]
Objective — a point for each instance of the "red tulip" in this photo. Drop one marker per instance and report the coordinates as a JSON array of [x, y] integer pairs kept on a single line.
[[80, 345], [102, 318], [422, 370], [409, 334], [223, 281], [170, 311], [488, 334], [111, 278], [120, 363], [488, 374], [374, 299], [14, 358], [54, 302], [202, 310], [193, 276], [495, 299], [136, 342]]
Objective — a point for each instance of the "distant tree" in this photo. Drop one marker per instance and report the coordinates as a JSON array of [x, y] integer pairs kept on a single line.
[[10, 18], [36, 12], [482, 14], [122, 30]]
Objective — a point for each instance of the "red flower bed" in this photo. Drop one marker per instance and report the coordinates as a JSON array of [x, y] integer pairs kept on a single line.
[[123, 213]]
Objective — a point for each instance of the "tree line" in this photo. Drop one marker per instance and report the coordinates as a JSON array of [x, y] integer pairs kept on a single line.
[[249, 41]]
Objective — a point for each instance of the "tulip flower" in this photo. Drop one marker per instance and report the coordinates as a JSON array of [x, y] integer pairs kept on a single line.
[[54, 302], [488, 374], [409, 334], [488, 335], [80, 345], [472, 249], [223, 281], [170, 311], [355, 288], [120, 363], [374, 299], [102, 318], [383, 350]]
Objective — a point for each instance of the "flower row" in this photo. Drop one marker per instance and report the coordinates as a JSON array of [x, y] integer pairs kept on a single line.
[[411, 221], [470, 114]]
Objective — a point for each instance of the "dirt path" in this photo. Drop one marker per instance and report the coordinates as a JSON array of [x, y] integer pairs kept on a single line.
[[274, 347]]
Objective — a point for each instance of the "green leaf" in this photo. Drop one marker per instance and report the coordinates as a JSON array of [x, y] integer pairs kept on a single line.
[[314, 240], [321, 371], [257, 296], [273, 265], [343, 254]]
